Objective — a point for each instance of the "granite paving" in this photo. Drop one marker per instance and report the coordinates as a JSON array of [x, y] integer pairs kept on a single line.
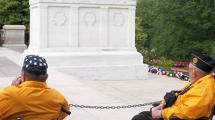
[[95, 92]]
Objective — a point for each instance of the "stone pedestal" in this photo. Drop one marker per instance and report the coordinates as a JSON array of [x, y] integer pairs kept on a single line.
[[88, 38], [14, 37]]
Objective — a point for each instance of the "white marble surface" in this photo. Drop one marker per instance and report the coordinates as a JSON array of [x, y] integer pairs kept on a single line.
[[14, 37], [89, 37], [117, 2], [14, 34], [59, 26]]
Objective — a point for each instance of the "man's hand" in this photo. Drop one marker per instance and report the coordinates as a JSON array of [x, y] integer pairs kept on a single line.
[[161, 106], [156, 112], [17, 81], [170, 99]]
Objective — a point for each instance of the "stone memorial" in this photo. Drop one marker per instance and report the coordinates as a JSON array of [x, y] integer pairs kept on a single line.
[[94, 39], [14, 37]]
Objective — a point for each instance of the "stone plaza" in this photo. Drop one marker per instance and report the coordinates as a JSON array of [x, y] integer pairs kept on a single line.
[[95, 92]]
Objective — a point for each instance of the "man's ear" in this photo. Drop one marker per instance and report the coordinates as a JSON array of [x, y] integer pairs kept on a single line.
[[46, 77], [23, 76], [194, 75]]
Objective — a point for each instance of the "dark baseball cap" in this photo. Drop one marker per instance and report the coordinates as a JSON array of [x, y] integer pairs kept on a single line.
[[203, 61], [35, 65]]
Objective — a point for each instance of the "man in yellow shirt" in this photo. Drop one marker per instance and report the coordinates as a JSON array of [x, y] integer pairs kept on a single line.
[[30, 98], [195, 101]]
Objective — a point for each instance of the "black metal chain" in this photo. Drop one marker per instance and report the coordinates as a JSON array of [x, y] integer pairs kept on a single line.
[[110, 107]]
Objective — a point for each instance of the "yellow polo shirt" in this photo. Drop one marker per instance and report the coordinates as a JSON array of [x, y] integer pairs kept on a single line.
[[31, 101], [195, 103]]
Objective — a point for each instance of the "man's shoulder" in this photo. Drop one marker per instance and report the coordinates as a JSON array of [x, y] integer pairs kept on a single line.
[[14, 90], [9, 89], [55, 92], [6, 92], [206, 79]]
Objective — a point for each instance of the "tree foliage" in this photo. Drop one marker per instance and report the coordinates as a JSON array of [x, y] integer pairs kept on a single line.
[[14, 12], [146, 13], [178, 27], [140, 35]]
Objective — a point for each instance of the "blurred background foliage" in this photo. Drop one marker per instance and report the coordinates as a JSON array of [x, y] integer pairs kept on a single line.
[[166, 30], [173, 29]]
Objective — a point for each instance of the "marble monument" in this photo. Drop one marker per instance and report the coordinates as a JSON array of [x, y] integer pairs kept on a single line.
[[94, 39]]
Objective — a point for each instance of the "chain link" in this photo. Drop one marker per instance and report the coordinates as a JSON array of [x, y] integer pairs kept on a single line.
[[111, 107]]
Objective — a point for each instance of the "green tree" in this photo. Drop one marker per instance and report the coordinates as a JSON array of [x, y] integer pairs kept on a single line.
[[175, 28], [15, 12], [140, 35], [145, 11], [183, 26]]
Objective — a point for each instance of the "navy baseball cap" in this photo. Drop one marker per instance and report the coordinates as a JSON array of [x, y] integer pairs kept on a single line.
[[35, 65], [203, 61]]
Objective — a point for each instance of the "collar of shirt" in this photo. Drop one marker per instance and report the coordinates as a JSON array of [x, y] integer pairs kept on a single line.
[[35, 84], [207, 77]]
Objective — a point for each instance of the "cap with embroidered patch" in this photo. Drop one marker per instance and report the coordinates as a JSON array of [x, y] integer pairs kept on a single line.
[[35, 64], [203, 61]]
